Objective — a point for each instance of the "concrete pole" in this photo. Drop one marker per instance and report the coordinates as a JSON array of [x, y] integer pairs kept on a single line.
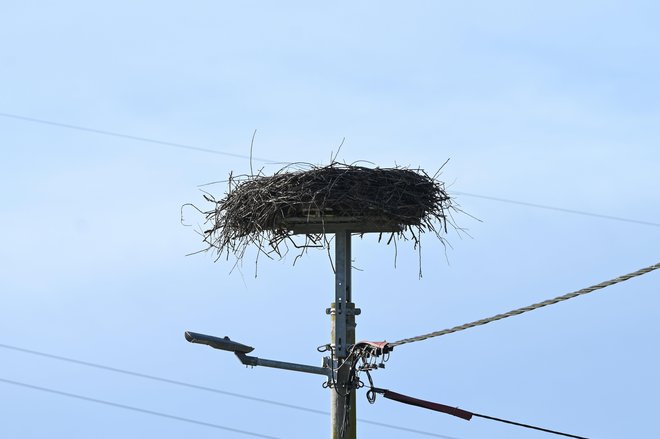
[[342, 316]]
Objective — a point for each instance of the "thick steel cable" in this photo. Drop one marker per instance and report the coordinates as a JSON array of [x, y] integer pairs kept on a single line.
[[525, 309]]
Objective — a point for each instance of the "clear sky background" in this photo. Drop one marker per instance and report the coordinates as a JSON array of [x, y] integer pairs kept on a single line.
[[554, 103]]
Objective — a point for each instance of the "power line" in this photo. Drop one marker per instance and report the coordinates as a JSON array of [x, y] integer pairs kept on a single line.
[[131, 137], [212, 389], [156, 378], [455, 411], [135, 409], [559, 209], [525, 309], [213, 151], [533, 427]]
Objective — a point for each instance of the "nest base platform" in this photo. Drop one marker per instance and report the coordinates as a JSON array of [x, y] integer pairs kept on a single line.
[[304, 225]]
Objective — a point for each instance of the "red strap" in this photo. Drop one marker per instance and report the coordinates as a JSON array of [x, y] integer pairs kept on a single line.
[[454, 411]]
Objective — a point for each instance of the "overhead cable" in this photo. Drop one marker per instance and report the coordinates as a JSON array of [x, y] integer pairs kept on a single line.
[[525, 309], [214, 151], [131, 137], [454, 411], [214, 390], [135, 409], [558, 209]]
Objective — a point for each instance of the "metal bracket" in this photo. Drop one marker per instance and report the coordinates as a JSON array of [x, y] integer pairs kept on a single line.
[[256, 361]]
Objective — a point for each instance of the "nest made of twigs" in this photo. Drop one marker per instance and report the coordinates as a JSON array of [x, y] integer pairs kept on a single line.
[[310, 201]]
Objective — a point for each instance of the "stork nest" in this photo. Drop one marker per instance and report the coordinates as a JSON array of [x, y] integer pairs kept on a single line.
[[271, 211]]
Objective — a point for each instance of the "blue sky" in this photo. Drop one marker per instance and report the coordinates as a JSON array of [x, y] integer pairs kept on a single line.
[[553, 103]]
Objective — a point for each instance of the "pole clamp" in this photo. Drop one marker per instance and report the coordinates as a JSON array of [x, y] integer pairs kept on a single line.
[[346, 311]]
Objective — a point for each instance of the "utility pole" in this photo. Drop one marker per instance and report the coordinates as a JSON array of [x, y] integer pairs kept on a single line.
[[342, 316]]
